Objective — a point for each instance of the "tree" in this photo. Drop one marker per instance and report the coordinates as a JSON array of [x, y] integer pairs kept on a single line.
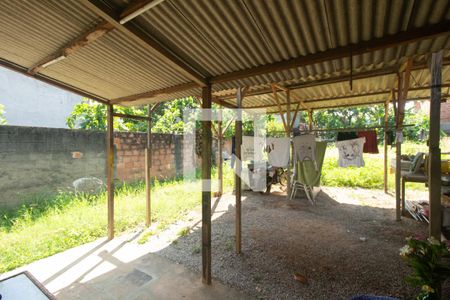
[[2, 117], [369, 116], [167, 117]]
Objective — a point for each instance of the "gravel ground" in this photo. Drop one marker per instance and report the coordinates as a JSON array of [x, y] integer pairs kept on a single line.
[[346, 245]]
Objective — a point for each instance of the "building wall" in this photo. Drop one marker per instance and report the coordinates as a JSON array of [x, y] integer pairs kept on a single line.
[[30, 102], [34, 160]]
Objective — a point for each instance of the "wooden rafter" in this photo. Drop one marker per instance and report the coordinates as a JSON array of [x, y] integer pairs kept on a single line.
[[154, 93], [145, 40], [54, 82], [398, 39], [85, 39], [311, 101], [338, 79], [275, 95]]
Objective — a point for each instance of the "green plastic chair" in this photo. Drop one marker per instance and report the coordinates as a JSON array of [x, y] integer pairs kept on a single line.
[[307, 174]]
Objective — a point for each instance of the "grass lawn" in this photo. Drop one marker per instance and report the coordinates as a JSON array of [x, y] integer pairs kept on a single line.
[[371, 176], [49, 224]]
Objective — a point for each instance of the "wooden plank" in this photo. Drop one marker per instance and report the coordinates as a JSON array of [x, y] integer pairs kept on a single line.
[[148, 172], [51, 81], [295, 115], [308, 102], [434, 171], [372, 45], [220, 162], [110, 169], [137, 8], [288, 135], [154, 93], [147, 41], [398, 153], [310, 119], [238, 181], [85, 39], [206, 187], [275, 95], [334, 79], [386, 125], [127, 116]]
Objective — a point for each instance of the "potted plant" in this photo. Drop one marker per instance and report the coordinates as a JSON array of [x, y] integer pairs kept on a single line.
[[430, 261]]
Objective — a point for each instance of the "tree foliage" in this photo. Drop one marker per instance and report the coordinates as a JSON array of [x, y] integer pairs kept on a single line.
[[2, 117], [168, 118]]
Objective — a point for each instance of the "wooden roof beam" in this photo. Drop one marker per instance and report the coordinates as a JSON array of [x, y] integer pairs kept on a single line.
[[85, 39], [346, 97], [145, 40], [398, 39], [154, 93], [137, 8]]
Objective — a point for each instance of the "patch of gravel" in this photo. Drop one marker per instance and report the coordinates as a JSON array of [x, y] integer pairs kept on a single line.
[[346, 245]]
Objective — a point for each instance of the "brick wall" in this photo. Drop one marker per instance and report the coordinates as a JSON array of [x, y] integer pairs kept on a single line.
[[130, 155], [445, 112]]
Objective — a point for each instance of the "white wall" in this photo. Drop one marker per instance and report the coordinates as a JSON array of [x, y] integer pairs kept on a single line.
[[29, 102]]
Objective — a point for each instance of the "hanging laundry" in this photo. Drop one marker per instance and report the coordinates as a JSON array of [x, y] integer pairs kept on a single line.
[[390, 136], [346, 135], [278, 151], [304, 148], [350, 152], [252, 148], [371, 144]]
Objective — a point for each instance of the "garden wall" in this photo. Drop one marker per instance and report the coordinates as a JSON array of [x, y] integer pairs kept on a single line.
[[35, 160]]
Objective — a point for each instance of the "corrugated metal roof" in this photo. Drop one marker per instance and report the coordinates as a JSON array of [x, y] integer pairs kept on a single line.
[[219, 37]]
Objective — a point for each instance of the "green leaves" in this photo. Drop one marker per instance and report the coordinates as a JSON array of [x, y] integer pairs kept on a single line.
[[430, 261], [2, 118]]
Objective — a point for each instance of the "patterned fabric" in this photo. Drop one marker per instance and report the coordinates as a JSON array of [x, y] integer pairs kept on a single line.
[[350, 152]]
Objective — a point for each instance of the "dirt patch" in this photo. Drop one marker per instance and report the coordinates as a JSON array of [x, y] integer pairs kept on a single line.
[[344, 246]]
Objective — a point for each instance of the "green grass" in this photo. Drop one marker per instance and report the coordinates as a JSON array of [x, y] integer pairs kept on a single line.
[[49, 224], [371, 176]]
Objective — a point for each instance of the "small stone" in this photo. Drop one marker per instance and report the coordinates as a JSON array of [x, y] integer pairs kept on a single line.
[[363, 239]]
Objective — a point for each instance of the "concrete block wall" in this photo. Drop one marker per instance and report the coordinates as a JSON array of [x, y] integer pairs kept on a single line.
[[35, 160]]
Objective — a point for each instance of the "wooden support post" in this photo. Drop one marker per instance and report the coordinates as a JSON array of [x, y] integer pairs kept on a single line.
[[310, 119], [238, 181], [206, 185], [398, 155], [110, 169], [402, 92], [386, 125], [288, 135], [148, 167], [434, 171], [220, 163]]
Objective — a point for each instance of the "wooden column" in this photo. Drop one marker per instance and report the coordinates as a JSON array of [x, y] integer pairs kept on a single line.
[[110, 169], [220, 163], [310, 119], [238, 182], [434, 171], [398, 156], [148, 167], [288, 130], [386, 125], [206, 184]]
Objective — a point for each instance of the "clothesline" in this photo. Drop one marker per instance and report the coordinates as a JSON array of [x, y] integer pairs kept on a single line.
[[354, 129]]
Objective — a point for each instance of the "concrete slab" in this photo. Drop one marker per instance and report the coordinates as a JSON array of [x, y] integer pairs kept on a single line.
[[121, 269]]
